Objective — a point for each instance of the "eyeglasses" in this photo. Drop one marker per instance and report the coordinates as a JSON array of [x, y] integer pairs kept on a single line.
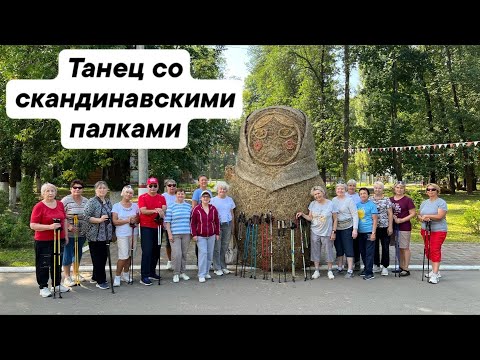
[[430, 189], [77, 187], [153, 185], [171, 185]]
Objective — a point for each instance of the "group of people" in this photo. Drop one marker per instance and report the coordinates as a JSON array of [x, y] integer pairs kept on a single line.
[[357, 224], [75, 219]]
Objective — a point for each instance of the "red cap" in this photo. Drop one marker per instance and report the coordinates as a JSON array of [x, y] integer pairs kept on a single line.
[[152, 180]]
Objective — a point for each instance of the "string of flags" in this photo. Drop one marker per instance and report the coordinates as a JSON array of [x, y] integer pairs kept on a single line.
[[412, 147]]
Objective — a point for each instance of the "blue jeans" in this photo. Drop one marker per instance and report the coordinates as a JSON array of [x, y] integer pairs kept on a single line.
[[205, 254], [150, 251], [69, 251], [367, 250]]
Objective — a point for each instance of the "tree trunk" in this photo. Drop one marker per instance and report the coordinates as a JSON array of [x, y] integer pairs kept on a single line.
[[397, 156], [428, 105], [346, 111]]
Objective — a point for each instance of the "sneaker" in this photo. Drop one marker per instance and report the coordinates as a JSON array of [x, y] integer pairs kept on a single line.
[[226, 271], [92, 281], [68, 281], [146, 281], [316, 274], [80, 278], [61, 288], [169, 265], [431, 273], [349, 275], [126, 277], [103, 286], [330, 275], [45, 292], [208, 276], [357, 267], [362, 273], [219, 272], [184, 276], [384, 271], [369, 277], [116, 281], [433, 279], [376, 269], [155, 277], [339, 271], [176, 278], [201, 279]]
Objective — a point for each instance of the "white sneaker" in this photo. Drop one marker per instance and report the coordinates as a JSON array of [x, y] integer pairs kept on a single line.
[[330, 275], [431, 273], [45, 292], [80, 277], [208, 276], [384, 271], [126, 277], [433, 279], [226, 271], [61, 288], [219, 272], [116, 281], [376, 269], [68, 281], [169, 265], [184, 276], [176, 278], [201, 279], [316, 274]]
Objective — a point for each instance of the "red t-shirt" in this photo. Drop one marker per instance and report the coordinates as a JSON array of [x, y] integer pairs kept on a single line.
[[42, 214], [150, 202]]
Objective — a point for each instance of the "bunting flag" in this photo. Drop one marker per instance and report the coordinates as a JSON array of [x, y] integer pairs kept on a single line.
[[413, 147]]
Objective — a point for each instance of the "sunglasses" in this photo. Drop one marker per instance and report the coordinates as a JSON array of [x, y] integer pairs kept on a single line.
[[171, 185], [153, 185], [77, 187], [430, 189]]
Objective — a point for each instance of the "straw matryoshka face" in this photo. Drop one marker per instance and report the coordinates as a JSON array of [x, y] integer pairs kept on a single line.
[[274, 139]]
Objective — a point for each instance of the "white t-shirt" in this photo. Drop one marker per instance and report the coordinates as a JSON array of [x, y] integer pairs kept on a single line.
[[224, 207], [124, 213], [170, 199]]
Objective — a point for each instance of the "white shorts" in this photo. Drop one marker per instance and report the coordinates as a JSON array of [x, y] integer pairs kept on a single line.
[[123, 245]]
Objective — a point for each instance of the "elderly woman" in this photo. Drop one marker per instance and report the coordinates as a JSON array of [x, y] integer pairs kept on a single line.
[[367, 226], [74, 205], [433, 211], [352, 193], [177, 223], [48, 216], [170, 198], [403, 210], [97, 213], [347, 228], [323, 215], [225, 206], [125, 218], [205, 229], [384, 228]]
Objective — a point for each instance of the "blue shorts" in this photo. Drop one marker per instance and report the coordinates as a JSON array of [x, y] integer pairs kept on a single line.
[[69, 251]]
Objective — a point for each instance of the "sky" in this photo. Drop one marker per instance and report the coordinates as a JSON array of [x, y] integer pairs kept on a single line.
[[237, 60]]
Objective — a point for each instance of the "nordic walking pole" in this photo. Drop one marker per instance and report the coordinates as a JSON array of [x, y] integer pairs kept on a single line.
[[159, 249], [110, 265], [397, 249], [279, 242], [56, 258], [285, 252], [424, 251], [130, 273], [241, 220], [303, 252], [292, 247], [76, 263], [271, 245], [429, 232]]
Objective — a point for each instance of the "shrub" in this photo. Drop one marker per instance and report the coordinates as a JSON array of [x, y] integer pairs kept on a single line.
[[471, 217], [3, 201], [28, 199], [13, 233]]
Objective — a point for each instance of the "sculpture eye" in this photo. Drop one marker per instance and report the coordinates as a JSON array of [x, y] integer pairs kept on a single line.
[[286, 132], [260, 133]]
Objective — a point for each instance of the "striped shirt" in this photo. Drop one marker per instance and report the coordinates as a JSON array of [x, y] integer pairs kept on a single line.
[[178, 215], [202, 224], [73, 208]]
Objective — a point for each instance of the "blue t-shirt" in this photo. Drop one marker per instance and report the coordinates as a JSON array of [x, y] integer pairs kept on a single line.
[[196, 195], [365, 211]]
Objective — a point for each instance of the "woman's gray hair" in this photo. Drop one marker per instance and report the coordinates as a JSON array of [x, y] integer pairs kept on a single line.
[[221, 185], [341, 185], [351, 182], [127, 188], [317, 188], [379, 183], [46, 186], [100, 183]]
